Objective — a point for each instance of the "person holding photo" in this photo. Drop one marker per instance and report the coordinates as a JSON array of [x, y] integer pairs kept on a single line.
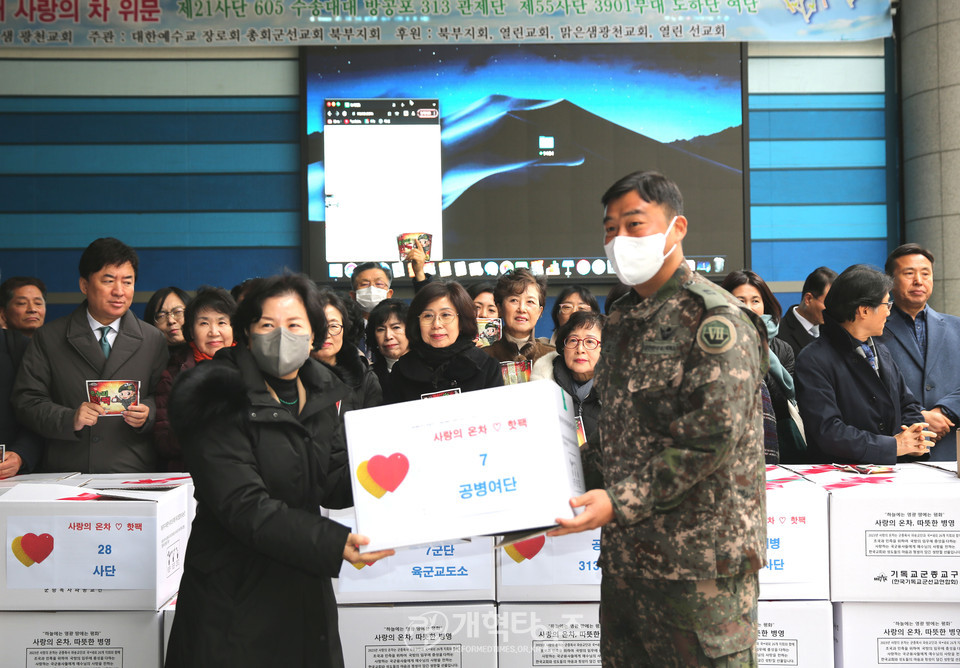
[[441, 328], [520, 297], [262, 438]]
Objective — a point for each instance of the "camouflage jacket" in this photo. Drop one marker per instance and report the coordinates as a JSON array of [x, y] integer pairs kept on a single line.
[[681, 434]]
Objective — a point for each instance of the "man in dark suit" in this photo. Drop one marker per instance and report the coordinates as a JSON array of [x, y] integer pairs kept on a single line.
[[852, 397], [925, 345], [800, 325], [23, 446], [100, 340]]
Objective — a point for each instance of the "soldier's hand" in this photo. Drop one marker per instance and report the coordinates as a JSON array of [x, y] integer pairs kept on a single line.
[[136, 416], [86, 415], [597, 511]]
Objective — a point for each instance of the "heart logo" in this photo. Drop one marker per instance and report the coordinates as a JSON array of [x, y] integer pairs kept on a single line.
[[379, 475], [30, 549], [526, 549]]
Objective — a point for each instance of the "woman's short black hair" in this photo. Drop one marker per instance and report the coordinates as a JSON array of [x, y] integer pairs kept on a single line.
[[157, 299], [477, 289], [857, 285], [771, 305], [580, 290], [250, 309], [466, 312], [380, 314], [584, 319], [207, 298]]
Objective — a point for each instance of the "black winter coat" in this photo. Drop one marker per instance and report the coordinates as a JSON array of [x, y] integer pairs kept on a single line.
[[411, 377], [256, 585], [357, 374]]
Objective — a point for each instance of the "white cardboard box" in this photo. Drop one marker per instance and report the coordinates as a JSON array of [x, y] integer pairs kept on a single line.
[[464, 636], [870, 635], [795, 633], [72, 548], [895, 542], [545, 568], [473, 464], [454, 571], [80, 639], [798, 553], [556, 634]]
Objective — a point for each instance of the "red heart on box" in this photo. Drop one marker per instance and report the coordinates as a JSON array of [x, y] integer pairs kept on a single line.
[[388, 472], [531, 547], [37, 547]]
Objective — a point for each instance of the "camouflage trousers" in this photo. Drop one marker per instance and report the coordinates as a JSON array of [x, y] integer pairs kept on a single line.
[[683, 623]]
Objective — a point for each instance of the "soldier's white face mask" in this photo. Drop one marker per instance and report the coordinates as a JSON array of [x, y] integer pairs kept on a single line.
[[637, 259]]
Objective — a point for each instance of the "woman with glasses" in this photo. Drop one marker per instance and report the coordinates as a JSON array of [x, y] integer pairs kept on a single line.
[[579, 340], [853, 399], [206, 330], [343, 357], [443, 358], [572, 299], [165, 311]]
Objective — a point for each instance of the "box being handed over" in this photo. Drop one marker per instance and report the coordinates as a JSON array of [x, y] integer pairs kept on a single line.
[[486, 462]]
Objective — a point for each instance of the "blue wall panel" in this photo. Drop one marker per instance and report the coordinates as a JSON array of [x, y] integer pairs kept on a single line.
[[793, 260]]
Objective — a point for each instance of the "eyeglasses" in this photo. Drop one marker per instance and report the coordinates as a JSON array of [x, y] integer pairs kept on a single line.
[[445, 317], [888, 304], [175, 313], [567, 307], [588, 342], [334, 328]]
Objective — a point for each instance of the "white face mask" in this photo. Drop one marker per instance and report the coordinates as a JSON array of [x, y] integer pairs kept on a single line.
[[369, 297], [637, 259]]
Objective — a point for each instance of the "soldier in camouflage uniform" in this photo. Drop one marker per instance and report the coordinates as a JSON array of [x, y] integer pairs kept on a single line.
[[679, 450]]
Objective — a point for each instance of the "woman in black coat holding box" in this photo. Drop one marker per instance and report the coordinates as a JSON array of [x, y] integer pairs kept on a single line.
[[263, 441]]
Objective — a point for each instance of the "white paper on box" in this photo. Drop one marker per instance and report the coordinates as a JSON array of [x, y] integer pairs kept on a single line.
[[60, 553], [895, 543], [550, 568], [462, 571], [558, 634], [798, 555], [479, 463], [80, 639], [795, 633], [461, 636], [871, 635]]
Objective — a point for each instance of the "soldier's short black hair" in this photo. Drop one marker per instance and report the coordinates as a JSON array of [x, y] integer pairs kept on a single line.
[[652, 187], [106, 252], [818, 281], [857, 285], [905, 249]]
